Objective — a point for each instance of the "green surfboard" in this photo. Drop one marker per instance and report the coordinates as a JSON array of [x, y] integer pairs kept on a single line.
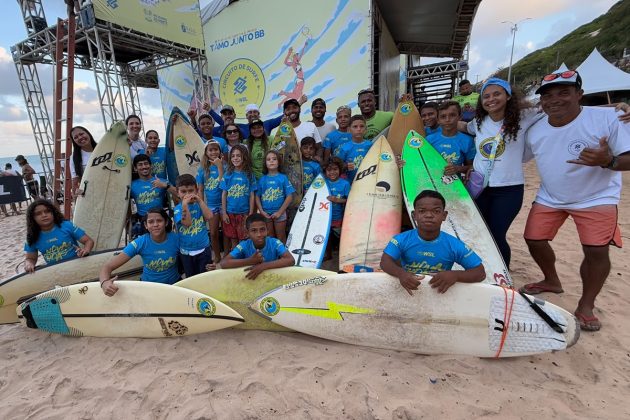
[[424, 170]]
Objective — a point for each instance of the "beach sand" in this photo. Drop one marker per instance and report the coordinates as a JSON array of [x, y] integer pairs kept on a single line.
[[257, 374]]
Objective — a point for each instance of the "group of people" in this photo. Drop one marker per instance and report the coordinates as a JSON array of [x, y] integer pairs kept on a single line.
[[241, 192]]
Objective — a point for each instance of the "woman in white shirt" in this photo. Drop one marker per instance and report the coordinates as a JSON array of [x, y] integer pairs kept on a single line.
[[83, 145], [137, 146]]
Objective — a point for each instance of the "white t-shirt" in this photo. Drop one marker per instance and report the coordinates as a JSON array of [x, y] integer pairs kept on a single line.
[[325, 129], [137, 147], [307, 129], [508, 162], [569, 185], [85, 158]]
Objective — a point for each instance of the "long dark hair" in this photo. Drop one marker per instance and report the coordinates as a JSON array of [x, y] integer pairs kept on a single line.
[[32, 228], [264, 141], [278, 156], [159, 210], [511, 118], [246, 167], [77, 161]]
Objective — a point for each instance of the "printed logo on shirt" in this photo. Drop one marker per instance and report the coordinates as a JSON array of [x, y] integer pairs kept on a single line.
[[576, 147], [161, 264], [158, 168], [211, 184], [57, 253], [272, 194], [147, 197], [423, 267], [485, 147], [121, 160], [236, 191], [197, 226]]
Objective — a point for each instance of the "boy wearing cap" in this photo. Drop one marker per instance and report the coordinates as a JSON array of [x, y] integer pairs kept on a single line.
[[318, 112], [335, 139], [580, 152]]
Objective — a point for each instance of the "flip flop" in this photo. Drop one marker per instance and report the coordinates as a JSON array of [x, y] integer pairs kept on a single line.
[[588, 323], [537, 288]]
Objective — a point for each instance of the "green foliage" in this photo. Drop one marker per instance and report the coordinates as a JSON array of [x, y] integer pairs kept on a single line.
[[572, 49]]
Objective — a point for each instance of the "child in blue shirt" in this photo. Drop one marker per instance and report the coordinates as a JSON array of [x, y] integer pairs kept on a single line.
[[429, 116], [339, 190], [260, 252], [336, 138], [457, 148], [311, 168], [158, 248], [157, 154], [209, 175], [353, 152], [190, 217], [237, 198], [428, 250], [47, 232], [274, 195]]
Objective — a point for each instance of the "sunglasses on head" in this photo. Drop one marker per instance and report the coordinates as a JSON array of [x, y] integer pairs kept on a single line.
[[231, 131], [564, 75]]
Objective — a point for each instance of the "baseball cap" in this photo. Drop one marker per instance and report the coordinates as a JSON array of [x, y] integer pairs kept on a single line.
[[569, 77], [19, 158], [290, 102], [227, 108], [497, 82], [256, 122], [251, 107], [318, 101]]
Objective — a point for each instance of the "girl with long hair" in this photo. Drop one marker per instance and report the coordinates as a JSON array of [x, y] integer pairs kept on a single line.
[[274, 195], [83, 145], [209, 176], [54, 237], [258, 144]]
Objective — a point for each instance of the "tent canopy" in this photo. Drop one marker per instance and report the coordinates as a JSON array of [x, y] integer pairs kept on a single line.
[[598, 75]]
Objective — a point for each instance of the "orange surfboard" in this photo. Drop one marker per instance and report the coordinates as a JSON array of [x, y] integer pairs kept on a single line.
[[406, 118]]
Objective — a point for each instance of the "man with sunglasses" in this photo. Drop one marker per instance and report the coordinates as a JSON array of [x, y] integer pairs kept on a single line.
[[580, 152], [376, 121]]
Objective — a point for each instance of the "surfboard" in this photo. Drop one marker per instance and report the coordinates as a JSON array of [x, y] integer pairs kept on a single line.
[[372, 309], [187, 145], [424, 170], [311, 226], [286, 143], [78, 270], [232, 288], [405, 118], [101, 211], [373, 210], [138, 309], [171, 161]]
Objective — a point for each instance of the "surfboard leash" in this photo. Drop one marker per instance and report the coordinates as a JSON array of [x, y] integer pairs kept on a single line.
[[507, 316], [544, 315]]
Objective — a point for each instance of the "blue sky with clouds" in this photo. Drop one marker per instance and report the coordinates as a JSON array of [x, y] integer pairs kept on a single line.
[[490, 49]]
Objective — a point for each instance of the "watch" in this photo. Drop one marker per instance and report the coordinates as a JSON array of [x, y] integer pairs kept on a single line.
[[613, 163]]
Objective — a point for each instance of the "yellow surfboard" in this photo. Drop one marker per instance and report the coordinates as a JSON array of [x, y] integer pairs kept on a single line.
[[187, 146]]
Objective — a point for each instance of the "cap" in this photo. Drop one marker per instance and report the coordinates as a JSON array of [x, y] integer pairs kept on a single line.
[[318, 101], [256, 122], [290, 102], [569, 77], [497, 82], [19, 158], [251, 107], [227, 108]]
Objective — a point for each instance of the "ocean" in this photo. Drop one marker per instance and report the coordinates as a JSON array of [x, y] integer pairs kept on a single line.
[[33, 160]]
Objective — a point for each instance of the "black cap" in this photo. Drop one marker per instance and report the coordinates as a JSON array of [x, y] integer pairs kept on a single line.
[[291, 102], [227, 108], [318, 101], [256, 122]]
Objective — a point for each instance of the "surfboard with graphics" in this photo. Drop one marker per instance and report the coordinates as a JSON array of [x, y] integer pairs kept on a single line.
[[424, 170], [311, 226], [372, 309], [187, 146], [373, 210], [101, 210], [138, 309], [286, 143], [405, 118]]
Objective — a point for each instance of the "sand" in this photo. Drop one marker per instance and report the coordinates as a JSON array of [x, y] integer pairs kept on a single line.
[[257, 374]]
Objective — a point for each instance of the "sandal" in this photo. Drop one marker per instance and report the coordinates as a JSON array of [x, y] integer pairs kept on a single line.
[[588, 323]]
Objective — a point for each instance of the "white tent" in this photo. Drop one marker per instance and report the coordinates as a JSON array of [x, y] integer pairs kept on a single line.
[[598, 75], [563, 67]]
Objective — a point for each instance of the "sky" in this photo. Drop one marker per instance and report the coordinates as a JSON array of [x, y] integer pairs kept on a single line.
[[491, 41]]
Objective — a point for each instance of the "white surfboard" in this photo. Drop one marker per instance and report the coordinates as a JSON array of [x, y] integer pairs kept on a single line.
[[138, 309], [311, 227], [101, 211], [372, 309], [373, 210], [78, 270], [187, 145]]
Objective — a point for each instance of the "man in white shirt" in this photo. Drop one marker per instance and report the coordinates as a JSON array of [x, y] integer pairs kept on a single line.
[[318, 112], [579, 153], [302, 128]]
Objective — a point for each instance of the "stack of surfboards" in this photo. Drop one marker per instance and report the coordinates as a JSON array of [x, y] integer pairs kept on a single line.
[[373, 210], [184, 152], [101, 210], [78, 270], [372, 309], [138, 309], [424, 170]]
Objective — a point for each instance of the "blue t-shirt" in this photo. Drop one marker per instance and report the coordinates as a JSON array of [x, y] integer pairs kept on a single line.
[[456, 149], [195, 236], [272, 250], [429, 257], [146, 195], [58, 244], [158, 163], [311, 169], [352, 152], [339, 189], [273, 190], [238, 188], [159, 259], [429, 130], [334, 140], [210, 184]]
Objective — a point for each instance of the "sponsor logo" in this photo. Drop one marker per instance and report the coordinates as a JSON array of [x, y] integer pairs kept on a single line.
[[415, 142], [383, 186], [180, 141], [301, 251], [576, 147], [318, 183], [206, 307], [302, 205], [242, 82], [316, 281], [386, 157], [369, 171], [121, 161], [192, 159], [405, 109], [107, 157], [324, 206], [485, 148], [318, 239], [269, 306], [449, 179]]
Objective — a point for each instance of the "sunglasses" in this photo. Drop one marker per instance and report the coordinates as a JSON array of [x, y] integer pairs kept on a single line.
[[564, 75], [231, 131]]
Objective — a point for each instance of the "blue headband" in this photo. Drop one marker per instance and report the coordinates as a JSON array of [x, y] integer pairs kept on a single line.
[[498, 82]]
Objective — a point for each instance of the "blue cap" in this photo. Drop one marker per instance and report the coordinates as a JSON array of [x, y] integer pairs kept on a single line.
[[498, 82]]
